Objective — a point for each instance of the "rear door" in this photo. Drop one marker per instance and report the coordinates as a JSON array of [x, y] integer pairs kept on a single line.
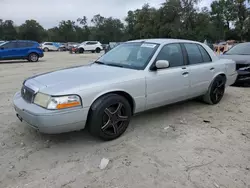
[[200, 66], [23, 48], [90, 46]]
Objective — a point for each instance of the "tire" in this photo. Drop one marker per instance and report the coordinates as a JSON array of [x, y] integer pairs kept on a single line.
[[46, 49], [81, 51], [216, 91], [104, 122], [97, 50], [33, 57]]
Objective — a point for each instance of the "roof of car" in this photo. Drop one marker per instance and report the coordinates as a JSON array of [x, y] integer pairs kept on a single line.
[[22, 41], [163, 40]]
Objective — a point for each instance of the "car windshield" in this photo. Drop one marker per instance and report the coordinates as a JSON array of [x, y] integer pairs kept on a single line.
[[239, 49], [2, 43], [134, 55]]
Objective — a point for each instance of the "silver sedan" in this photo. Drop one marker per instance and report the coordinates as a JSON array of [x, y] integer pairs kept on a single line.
[[133, 77]]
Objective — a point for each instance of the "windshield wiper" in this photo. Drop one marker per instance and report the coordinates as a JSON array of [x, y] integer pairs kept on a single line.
[[108, 64], [99, 62], [114, 65]]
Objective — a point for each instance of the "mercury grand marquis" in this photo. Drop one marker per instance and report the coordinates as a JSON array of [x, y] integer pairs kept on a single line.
[[133, 77]]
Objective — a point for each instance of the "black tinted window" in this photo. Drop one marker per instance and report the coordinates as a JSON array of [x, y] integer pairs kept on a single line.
[[91, 43], [194, 54], [206, 57], [9, 45], [25, 44], [172, 53], [48, 43]]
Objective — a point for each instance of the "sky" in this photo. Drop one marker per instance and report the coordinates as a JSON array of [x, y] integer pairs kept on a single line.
[[50, 12]]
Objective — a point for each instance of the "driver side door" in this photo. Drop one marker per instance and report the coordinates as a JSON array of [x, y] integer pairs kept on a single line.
[[169, 85]]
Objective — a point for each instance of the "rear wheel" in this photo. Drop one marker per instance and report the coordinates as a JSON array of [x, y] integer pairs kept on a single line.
[[33, 57], [109, 117], [216, 91], [46, 49]]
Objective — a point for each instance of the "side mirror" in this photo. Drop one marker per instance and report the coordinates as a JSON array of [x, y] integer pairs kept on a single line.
[[162, 64], [2, 48]]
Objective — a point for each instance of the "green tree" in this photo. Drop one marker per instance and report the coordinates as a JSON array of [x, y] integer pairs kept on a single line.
[[32, 30], [8, 30]]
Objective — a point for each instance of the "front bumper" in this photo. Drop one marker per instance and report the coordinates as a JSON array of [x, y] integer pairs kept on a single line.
[[243, 77], [41, 55], [50, 121]]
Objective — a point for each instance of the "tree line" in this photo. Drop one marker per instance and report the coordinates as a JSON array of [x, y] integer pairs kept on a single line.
[[226, 20]]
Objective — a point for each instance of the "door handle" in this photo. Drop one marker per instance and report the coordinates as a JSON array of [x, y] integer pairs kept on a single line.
[[185, 73], [184, 68], [212, 68]]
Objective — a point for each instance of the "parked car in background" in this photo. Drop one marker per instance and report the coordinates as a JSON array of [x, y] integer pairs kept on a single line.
[[21, 49], [93, 46], [133, 77], [49, 46], [111, 45], [70, 45], [240, 53], [62, 47]]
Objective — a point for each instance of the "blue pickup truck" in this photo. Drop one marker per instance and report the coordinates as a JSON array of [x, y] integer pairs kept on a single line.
[[21, 49]]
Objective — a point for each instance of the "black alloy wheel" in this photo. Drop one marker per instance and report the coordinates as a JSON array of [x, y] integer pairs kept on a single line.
[[216, 90], [109, 116], [114, 119]]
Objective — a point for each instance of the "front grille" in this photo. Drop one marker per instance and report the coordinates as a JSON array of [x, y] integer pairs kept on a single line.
[[27, 94], [240, 66]]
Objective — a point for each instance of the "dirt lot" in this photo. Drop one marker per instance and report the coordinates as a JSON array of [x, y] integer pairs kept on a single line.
[[183, 145]]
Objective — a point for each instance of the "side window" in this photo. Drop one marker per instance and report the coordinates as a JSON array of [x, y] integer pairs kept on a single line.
[[88, 43], [172, 53], [206, 57], [9, 45], [48, 43], [194, 54], [21, 44]]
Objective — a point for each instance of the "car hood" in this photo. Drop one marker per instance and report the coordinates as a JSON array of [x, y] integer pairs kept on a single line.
[[81, 77], [239, 59]]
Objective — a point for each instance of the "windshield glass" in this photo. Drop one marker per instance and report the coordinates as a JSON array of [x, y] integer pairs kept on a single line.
[[134, 55], [239, 49], [2, 43]]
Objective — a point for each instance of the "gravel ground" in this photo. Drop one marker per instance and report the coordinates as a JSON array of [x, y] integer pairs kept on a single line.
[[189, 144]]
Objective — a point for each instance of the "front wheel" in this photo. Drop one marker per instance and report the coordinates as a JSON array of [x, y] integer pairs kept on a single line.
[[109, 117], [98, 50], [33, 57], [216, 91], [81, 50]]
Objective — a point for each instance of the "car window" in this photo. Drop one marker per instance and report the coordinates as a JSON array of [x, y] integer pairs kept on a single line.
[[24, 44], [194, 54], [173, 54], [134, 55], [48, 43], [239, 49], [9, 45], [206, 57]]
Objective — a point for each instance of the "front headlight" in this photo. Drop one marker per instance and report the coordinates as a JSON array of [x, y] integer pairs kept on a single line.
[[60, 102]]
